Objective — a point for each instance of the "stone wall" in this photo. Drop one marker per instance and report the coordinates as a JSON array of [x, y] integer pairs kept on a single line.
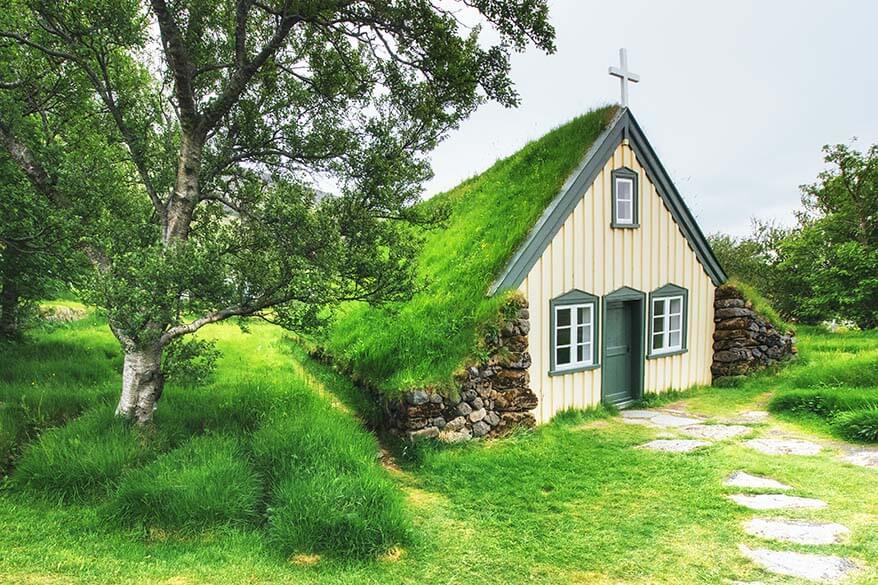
[[493, 396], [744, 341]]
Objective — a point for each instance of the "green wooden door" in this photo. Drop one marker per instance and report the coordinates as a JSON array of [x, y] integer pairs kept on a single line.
[[621, 377]]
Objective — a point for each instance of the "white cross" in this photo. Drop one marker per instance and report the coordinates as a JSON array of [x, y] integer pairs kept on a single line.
[[624, 75]]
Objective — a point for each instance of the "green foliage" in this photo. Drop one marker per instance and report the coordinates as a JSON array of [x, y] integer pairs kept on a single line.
[[190, 361], [858, 425], [423, 341], [827, 266], [826, 403], [206, 482], [83, 459]]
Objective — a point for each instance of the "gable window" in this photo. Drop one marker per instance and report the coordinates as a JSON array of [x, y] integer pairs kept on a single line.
[[573, 332], [668, 320], [625, 198]]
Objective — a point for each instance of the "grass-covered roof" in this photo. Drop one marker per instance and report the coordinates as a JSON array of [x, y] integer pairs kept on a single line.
[[424, 341]]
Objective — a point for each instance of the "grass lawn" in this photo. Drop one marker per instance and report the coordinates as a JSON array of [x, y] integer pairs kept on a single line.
[[571, 502]]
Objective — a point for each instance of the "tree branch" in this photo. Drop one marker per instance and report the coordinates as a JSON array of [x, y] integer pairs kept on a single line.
[[180, 63]]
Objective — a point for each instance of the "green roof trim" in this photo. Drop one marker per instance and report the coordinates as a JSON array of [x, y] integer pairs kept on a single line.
[[622, 126]]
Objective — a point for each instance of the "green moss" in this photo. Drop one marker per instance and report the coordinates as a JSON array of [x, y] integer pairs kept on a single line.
[[422, 342]]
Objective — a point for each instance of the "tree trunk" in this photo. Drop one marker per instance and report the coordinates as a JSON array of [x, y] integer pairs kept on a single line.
[[142, 384], [9, 308]]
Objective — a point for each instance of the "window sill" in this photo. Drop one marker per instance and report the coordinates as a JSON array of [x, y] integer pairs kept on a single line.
[[655, 356], [553, 373], [624, 226]]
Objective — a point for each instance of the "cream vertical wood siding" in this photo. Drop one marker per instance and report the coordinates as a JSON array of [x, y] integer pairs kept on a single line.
[[589, 255]]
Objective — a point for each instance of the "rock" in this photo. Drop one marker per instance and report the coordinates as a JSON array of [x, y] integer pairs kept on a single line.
[[776, 502], [670, 420], [511, 379], [460, 436], [463, 409], [732, 355], [716, 432], [745, 480], [492, 418], [795, 531], [439, 422], [481, 428], [418, 397], [426, 433], [784, 446], [813, 567], [675, 445], [728, 303], [863, 458], [753, 416], [645, 414], [455, 424], [436, 398], [732, 312], [477, 403], [469, 395], [477, 415]]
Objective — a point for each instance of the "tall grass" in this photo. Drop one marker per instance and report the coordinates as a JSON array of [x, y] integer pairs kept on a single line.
[[327, 493], [83, 459], [208, 481]]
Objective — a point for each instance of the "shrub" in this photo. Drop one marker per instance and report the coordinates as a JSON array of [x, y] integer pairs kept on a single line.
[[208, 481], [357, 514], [857, 425], [826, 402], [84, 458]]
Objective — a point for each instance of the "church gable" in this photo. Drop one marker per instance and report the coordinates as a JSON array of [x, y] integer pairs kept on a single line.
[[622, 129]]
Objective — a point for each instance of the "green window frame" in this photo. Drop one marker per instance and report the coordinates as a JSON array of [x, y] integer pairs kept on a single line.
[[625, 198], [573, 332], [668, 321]]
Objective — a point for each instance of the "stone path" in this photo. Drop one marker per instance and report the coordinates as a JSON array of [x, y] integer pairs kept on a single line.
[[784, 446], [675, 445], [796, 531], [776, 502], [823, 568], [743, 479], [699, 433]]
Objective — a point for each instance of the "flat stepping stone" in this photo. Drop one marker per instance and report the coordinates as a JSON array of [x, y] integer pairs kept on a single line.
[[674, 421], [716, 432], [784, 446], [863, 458], [639, 414], [775, 501], [820, 568], [795, 531], [743, 479], [675, 445]]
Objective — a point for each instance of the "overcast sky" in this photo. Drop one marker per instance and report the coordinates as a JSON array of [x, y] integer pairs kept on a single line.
[[737, 98]]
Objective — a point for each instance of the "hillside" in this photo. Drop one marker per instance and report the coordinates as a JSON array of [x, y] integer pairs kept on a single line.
[[422, 342]]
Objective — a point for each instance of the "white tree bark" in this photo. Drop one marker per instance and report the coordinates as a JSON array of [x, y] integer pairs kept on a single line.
[[142, 384]]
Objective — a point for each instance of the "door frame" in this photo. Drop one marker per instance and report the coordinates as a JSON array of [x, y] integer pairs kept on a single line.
[[630, 295]]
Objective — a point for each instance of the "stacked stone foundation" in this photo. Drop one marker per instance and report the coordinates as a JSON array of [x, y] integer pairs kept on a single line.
[[745, 342], [492, 397]]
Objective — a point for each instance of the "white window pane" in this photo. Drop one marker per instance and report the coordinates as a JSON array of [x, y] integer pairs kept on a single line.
[[674, 340], [676, 305], [676, 322], [563, 336], [563, 317], [562, 356]]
